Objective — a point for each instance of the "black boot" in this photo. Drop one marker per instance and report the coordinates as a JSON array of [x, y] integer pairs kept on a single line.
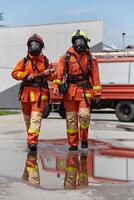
[[32, 147], [84, 144], [73, 148]]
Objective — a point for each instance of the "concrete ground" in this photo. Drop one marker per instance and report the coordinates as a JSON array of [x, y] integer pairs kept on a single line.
[[104, 127]]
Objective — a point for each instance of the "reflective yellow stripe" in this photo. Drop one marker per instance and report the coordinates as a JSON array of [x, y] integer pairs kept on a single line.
[[82, 175], [32, 96], [57, 81], [44, 97], [87, 94], [19, 74], [84, 126], [35, 131], [71, 169], [72, 131], [97, 87], [32, 169]]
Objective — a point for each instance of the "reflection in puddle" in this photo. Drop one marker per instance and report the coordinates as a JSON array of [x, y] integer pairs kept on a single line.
[[103, 162], [76, 175], [31, 171]]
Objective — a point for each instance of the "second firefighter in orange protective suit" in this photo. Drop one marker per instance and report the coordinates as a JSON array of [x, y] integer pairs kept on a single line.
[[78, 80], [34, 71]]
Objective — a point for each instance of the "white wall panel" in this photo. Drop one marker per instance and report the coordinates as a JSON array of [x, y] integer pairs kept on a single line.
[[115, 72]]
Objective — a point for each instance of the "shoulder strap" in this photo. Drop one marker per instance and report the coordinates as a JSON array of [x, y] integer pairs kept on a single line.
[[67, 57], [25, 62], [46, 62], [89, 58]]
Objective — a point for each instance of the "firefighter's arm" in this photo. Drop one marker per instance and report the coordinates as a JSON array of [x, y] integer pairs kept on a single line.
[[44, 74], [18, 72], [95, 78], [59, 74], [51, 72]]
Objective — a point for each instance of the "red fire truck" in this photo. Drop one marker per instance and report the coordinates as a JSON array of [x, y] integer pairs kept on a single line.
[[117, 79]]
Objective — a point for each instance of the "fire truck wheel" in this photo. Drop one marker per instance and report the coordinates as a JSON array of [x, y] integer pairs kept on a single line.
[[62, 111], [125, 111], [47, 110]]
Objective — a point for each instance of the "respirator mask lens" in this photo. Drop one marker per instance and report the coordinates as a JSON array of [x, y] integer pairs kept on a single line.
[[79, 45], [34, 48]]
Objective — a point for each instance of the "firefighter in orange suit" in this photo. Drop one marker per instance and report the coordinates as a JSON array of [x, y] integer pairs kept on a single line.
[[78, 80], [34, 71], [76, 175]]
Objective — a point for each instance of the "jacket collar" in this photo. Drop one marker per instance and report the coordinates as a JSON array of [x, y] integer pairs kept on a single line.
[[39, 58], [72, 50]]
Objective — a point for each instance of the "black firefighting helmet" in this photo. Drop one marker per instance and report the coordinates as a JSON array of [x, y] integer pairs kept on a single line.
[[35, 44], [37, 38]]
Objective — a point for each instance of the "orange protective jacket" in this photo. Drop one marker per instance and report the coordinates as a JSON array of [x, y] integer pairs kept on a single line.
[[34, 65], [74, 91]]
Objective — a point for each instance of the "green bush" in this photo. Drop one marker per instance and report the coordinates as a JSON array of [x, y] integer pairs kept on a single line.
[[8, 112]]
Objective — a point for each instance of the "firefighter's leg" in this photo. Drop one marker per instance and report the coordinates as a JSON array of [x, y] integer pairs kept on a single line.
[[31, 171], [26, 109], [71, 171], [72, 123], [35, 122], [84, 121], [83, 172]]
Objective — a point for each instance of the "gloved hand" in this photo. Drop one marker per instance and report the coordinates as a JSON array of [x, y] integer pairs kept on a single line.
[[47, 72], [55, 91], [96, 99], [30, 77]]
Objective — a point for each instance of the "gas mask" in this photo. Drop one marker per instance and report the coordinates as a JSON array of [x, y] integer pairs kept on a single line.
[[34, 48], [79, 45]]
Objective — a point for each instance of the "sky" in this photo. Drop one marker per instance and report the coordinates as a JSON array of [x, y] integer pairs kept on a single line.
[[117, 15]]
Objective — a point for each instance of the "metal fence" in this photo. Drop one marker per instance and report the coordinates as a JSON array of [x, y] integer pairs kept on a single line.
[[118, 40]]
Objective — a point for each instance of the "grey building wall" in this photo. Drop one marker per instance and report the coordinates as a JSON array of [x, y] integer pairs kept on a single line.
[[9, 98]]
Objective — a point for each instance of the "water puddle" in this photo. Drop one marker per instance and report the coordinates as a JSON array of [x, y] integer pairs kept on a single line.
[[54, 167]]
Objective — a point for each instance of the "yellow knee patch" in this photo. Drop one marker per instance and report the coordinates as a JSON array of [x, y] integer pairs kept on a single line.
[[72, 124], [84, 117], [35, 122]]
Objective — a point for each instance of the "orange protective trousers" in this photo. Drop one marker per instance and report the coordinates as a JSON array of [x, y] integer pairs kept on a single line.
[[77, 120], [33, 117]]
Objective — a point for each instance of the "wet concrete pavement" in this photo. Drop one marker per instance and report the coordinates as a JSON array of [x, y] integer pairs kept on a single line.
[[105, 171]]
